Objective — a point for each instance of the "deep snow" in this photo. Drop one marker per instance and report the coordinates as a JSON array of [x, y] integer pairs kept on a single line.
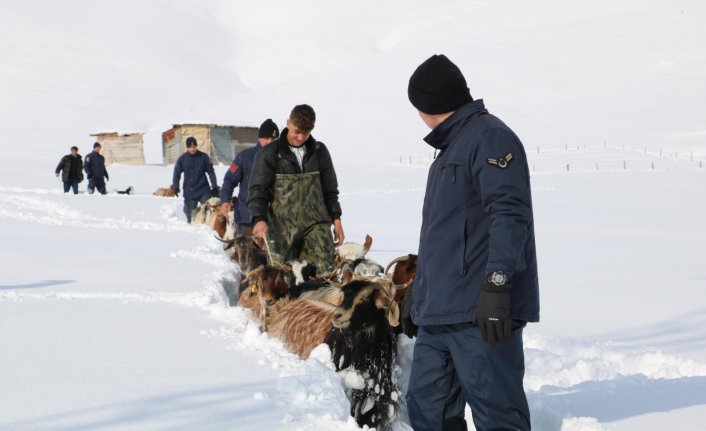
[[115, 315]]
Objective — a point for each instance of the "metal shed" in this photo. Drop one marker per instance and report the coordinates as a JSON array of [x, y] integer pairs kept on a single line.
[[221, 143]]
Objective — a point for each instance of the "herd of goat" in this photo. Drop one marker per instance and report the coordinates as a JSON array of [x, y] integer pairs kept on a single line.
[[354, 310]]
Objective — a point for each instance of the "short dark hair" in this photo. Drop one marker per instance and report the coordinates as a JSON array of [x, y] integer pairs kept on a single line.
[[97, 144], [304, 117], [190, 141], [74, 148]]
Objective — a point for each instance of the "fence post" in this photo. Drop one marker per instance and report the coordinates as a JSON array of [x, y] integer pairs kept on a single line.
[[653, 166], [567, 167], [410, 160], [537, 149], [596, 165], [625, 165]]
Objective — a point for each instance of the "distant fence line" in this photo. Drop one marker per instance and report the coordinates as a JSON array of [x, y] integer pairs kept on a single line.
[[664, 160]]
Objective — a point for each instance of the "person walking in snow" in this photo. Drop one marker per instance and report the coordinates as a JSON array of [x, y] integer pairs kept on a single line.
[[476, 284], [239, 174], [71, 169], [196, 166], [293, 195], [95, 170]]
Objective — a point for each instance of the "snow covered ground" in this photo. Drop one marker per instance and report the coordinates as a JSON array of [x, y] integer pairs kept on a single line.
[[115, 314]]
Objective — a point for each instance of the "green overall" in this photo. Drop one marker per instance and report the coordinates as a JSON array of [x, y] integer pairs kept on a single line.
[[299, 224]]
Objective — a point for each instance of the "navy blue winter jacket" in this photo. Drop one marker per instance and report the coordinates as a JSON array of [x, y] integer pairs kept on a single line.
[[94, 165], [239, 174], [195, 169], [476, 219]]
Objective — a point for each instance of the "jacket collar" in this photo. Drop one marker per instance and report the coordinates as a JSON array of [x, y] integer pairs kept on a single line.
[[283, 144], [437, 138]]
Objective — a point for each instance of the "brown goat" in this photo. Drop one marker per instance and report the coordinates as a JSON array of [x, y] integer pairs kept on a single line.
[[165, 192], [403, 275], [262, 288], [302, 324], [247, 251]]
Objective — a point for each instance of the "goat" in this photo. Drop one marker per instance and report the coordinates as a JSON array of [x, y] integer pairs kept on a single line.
[[359, 333], [166, 192], [206, 213], [353, 250], [263, 287], [403, 275], [246, 250]]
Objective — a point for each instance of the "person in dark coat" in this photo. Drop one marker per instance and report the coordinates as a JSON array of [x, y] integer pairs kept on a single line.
[[476, 284], [293, 195], [239, 174], [196, 166], [71, 168], [95, 169]]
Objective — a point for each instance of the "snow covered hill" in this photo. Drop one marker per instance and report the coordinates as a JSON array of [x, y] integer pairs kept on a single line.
[[114, 312]]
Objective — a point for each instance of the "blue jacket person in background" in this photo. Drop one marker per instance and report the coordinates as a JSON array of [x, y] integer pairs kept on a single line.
[[476, 285], [95, 169], [239, 174], [195, 165]]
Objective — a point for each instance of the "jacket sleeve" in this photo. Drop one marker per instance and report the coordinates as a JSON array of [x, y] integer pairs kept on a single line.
[[60, 166], [87, 167], [176, 177], [106, 173], [499, 169], [211, 173], [329, 183], [260, 188], [231, 179]]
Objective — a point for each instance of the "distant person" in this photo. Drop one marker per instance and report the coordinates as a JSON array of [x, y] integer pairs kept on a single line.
[[239, 174], [195, 165], [71, 168], [95, 170], [293, 194], [476, 284]]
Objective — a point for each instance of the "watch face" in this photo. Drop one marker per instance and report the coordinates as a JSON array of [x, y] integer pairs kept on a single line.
[[499, 278]]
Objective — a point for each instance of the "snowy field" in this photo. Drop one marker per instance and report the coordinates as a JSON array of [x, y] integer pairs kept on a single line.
[[115, 314]]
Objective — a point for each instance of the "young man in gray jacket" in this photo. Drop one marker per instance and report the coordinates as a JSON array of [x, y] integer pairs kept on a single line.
[[476, 285]]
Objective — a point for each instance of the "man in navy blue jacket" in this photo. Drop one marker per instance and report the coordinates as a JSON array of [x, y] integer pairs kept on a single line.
[[97, 174], [195, 165], [476, 285], [239, 175]]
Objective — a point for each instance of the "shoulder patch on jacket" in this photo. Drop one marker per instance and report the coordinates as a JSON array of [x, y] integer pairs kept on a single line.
[[502, 162], [233, 168]]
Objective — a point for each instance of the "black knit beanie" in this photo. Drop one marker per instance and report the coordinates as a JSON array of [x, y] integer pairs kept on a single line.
[[268, 129], [438, 86]]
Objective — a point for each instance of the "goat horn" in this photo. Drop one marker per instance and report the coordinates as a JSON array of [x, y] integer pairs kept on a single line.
[[222, 240], [396, 260]]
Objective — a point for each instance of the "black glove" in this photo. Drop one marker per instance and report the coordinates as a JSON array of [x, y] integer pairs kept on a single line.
[[408, 327], [215, 192], [493, 314]]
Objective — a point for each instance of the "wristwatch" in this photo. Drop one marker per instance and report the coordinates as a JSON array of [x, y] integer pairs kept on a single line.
[[498, 278]]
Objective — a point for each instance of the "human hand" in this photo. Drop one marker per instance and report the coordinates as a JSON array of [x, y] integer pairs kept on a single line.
[[260, 229], [338, 235], [493, 312], [56, 174], [225, 208]]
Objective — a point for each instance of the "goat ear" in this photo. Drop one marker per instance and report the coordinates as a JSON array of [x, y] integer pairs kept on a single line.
[[368, 243], [393, 316], [347, 275]]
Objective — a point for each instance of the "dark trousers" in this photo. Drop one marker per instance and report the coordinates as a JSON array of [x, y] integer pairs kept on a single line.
[[452, 366], [96, 183], [71, 184], [191, 204]]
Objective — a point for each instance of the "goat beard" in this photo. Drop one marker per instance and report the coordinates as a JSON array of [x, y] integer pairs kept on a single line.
[[372, 352]]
